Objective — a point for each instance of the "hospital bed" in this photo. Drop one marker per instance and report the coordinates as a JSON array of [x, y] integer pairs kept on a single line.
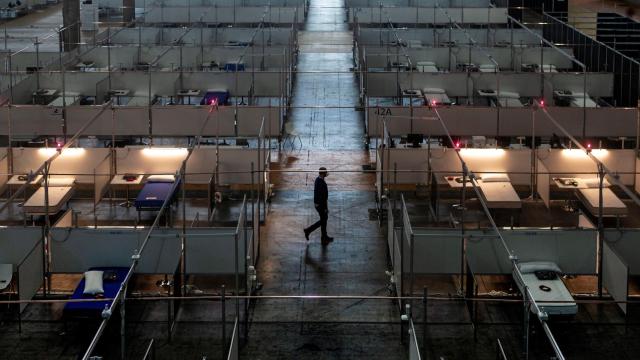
[[112, 280], [488, 68], [427, 66], [573, 99], [588, 192], [138, 100], [497, 192], [156, 190], [60, 192], [435, 97], [70, 98], [549, 293], [545, 68], [501, 99], [382, 101], [215, 97], [412, 97]]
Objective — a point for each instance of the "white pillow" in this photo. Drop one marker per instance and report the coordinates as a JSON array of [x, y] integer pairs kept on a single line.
[[495, 177], [93, 282], [595, 183], [61, 181], [162, 178], [533, 266]]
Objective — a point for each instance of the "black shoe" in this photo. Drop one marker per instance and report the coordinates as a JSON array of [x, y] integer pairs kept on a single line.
[[327, 239], [306, 234]]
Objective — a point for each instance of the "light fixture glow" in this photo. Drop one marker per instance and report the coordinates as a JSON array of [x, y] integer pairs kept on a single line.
[[71, 152], [578, 153], [482, 153], [49, 152], [164, 152]]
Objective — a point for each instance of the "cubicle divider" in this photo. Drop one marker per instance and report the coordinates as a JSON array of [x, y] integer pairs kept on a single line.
[[23, 249], [615, 276], [486, 255], [102, 175], [228, 121], [492, 121], [223, 15], [447, 58], [414, 345], [4, 168], [233, 353], [462, 84], [76, 250], [379, 15]]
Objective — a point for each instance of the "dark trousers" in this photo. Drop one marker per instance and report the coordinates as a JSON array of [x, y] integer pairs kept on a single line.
[[322, 223]]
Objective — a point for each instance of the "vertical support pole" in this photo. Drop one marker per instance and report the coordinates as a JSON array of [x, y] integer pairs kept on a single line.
[[424, 322], [526, 326], [123, 344], [600, 228], [224, 320]]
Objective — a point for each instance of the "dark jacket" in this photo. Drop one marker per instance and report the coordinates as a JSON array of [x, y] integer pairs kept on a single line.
[[320, 192]]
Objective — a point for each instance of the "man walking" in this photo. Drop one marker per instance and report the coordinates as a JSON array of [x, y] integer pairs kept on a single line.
[[320, 199]]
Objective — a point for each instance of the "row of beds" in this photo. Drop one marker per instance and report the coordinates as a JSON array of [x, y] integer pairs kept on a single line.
[[156, 190], [439, 97], [125, 98], [542, 278]]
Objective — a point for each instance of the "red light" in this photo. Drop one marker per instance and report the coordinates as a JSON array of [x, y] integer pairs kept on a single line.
[[542, 103], [589, 146], [457, 145], [434, 102], [214, 102]]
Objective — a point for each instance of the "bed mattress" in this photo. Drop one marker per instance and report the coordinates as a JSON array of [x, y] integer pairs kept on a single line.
[[500, 195], [153, 195], [94, 308], [58, 197], [612, 205], [551, 296]]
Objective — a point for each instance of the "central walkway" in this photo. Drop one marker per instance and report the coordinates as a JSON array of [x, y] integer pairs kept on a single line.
[[331, 132]]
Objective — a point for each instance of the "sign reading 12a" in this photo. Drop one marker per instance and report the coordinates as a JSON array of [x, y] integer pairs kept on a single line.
[[384, 111]]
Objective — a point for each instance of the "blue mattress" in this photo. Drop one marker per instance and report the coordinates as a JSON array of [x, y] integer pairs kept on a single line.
[[220, 97], [153, 195], [94, 308]]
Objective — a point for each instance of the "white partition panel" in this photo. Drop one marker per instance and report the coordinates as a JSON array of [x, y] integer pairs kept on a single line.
[[467, 121], [636, 186], [516, 162], [486, 255], [398, 119], [201, 165], [77, 250], [23, 248], [234, 165], [26, 160], [212, 251], [411, 165], [250, 119], [615, 276], [79, 163], [543, 183], [32, 120], [576, 163], [105, 124], [435, 253], [140, 160], [626, 243], [190, 120]]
